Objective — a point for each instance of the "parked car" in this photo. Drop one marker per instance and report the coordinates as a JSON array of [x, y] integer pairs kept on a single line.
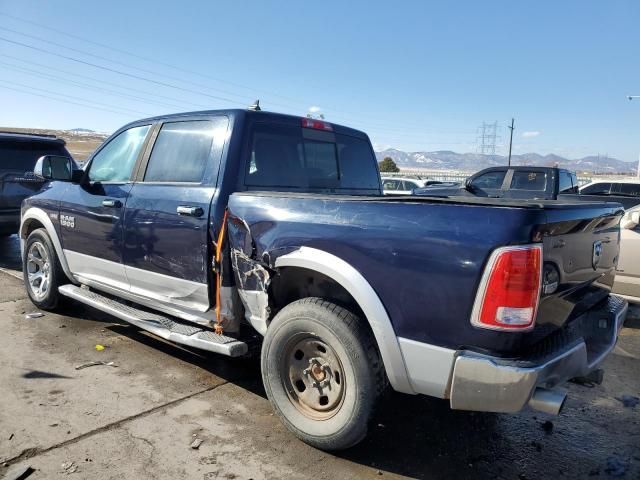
[[239, 231], [18, 155], [403, 185], [628, 187], [524, 182], [627, 282]]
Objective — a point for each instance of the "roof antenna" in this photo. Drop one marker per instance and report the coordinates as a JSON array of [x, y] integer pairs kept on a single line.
[[256, 106]]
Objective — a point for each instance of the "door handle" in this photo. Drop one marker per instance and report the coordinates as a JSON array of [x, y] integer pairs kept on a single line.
[[190, 211], [111, 203]]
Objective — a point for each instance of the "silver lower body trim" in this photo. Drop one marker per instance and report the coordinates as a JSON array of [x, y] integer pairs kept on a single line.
[[203, 318], [97, 269], [159, 325], [171, 290], [429, 367]]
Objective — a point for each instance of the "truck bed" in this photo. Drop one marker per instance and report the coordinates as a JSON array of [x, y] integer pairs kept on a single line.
[[566, 201], [436, 250]]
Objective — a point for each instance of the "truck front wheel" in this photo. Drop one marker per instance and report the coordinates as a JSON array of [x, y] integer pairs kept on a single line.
[[322, 373], [42, 271]]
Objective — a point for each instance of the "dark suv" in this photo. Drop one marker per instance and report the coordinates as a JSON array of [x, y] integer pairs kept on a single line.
[[18, 155]]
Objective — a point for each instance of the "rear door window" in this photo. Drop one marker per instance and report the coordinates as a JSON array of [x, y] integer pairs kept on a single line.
[[181, 152], [530, 180], [626, 188], [284, 156], [391, 185], [21, 156], [597, 189]]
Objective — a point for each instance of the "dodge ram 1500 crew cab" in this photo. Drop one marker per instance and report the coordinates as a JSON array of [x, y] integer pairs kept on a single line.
[[235, 230]]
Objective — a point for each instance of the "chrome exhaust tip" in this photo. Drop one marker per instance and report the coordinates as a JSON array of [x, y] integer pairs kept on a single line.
[[548, 401]]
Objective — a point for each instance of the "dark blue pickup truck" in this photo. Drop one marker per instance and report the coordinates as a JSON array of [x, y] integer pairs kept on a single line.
[[235, 230]]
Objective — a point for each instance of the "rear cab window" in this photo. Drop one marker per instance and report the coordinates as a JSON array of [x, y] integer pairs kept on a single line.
[[20, 156], [535, 181], [293, 158]]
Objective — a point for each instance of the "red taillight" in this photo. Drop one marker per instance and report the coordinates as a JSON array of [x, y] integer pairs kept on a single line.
[[317, 124], [510, 289]]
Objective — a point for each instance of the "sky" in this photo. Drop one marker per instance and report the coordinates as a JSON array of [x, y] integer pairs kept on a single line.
[[417, 76]]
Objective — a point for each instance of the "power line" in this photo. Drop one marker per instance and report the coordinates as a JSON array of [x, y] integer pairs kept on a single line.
[[64, 101], [48, 76], [368, 125], [122, 109], [113, 70], [141, 57], [288, 106], [244, 98], [128, 88], [158, 82]]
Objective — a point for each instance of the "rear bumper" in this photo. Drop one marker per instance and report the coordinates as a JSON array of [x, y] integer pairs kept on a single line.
[[490, 384]]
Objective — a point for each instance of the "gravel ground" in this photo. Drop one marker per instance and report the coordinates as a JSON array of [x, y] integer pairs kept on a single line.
[[138, 420]]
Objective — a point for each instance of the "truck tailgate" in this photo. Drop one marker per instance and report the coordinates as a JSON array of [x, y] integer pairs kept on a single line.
[[580, 252]]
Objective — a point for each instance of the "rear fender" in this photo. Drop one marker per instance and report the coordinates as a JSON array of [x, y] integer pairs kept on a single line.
[[358, 287]]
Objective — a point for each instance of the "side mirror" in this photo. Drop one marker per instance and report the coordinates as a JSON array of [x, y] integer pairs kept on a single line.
[[630, 220], [54, 167]]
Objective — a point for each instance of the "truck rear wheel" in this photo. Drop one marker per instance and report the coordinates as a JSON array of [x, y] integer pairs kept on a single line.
[[322, 373], [41, 270]]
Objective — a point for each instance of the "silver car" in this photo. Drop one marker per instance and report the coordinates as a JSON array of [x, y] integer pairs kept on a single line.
[[627, 282]]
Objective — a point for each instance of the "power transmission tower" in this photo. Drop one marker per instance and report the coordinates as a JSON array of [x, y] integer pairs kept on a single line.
[[487, 139]]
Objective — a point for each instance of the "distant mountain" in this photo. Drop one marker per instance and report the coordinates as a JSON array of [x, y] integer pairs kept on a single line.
[[82, 130], [448, 160]]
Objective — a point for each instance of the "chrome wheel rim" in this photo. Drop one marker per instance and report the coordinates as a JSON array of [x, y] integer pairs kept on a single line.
[[314, 377], [38, 270]]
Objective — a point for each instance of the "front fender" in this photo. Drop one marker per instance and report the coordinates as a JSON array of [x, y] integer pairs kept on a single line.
[[35, 214]]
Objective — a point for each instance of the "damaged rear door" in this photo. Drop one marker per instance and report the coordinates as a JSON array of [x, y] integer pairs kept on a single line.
[[167, 248]]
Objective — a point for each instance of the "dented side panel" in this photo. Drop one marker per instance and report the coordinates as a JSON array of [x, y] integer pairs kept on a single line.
[[252, 275]]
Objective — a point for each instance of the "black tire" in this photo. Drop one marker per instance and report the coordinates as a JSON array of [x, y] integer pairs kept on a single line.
[[54, 273], [298, 329]]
